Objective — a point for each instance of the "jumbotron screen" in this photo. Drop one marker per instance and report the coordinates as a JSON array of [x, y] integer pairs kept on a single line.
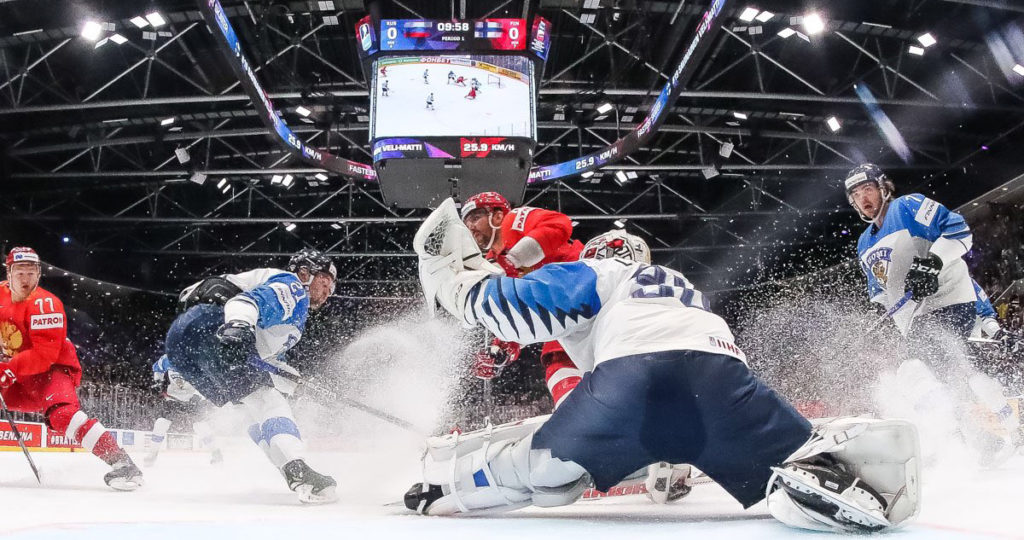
[[453, 96]]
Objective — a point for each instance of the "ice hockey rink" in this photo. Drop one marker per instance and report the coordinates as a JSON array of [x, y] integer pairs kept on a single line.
[[186, 497]]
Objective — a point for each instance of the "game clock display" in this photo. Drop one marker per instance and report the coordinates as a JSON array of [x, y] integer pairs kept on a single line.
[[441, 35]]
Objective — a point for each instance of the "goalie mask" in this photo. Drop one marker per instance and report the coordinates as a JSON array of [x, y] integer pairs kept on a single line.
[[619, 244]]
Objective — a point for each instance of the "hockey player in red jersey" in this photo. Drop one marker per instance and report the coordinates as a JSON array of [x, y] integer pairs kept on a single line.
[[522, 240], [471, 94], [39, 369]]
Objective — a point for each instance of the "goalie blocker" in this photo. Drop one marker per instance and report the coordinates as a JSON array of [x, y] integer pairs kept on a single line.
[[711, 411]]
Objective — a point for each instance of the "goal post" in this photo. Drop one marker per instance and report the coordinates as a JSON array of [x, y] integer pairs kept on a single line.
[[495, 80]]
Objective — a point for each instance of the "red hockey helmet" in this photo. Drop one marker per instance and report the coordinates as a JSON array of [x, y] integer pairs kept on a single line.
[[487, 199], [22, 254]]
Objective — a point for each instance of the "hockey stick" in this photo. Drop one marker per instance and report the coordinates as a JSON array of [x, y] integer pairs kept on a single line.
[[891, 311], [17, 435], [327, 394]]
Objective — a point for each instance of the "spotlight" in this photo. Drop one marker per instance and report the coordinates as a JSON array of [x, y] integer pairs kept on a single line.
[[139, 21], [91, 30], [336, 226], [748, 14], [66, 239], [926, 39], [587, 174], [915, 50], [226, 189], [709, 172], [1018, 69], [786, 32], [276, 179], [156, 19], [813, 23], [182, 155], [200, 178], [739, 115], [118, 38], [302, 110], [765, 16], [725, 150], [620, 223], [288, 181], [620, 178], [167, 121], [833, 123], [221, 184], [289, 227], [320, 176], [604, 108]]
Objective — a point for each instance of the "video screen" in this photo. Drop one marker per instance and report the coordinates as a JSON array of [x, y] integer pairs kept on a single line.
[[452, 96]]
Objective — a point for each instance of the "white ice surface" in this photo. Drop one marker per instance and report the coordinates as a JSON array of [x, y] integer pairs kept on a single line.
[[499, 112], [185, 498]]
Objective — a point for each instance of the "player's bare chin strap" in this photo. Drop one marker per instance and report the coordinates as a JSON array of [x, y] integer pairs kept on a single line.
[[494, 231]]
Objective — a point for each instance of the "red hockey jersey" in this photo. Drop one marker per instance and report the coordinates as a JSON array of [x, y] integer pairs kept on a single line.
[[33, 333], [549, 234]]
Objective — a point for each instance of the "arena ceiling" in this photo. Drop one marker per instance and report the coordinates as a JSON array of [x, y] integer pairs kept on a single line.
[[90, 173]]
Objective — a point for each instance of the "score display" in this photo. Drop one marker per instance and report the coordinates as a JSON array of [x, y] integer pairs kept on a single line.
[[444, 35]]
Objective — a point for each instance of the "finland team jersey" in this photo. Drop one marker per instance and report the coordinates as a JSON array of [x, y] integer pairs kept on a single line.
[[600, 310], [915, 225], [982, 306], [276, 303]]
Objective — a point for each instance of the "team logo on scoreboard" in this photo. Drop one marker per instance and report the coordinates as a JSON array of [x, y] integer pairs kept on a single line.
[[482, 147]]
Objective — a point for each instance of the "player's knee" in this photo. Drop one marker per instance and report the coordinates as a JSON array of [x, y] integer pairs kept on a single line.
[[59, 417]]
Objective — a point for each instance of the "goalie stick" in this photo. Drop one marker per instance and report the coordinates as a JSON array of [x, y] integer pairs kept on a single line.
[[20, 439]]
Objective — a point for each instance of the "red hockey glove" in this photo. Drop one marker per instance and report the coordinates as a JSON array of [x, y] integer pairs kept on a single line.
[[506, 265], [7, 377], [483, 366], [488, 363]]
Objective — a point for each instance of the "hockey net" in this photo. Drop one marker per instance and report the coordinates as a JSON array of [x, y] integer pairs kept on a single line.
[[495, 80]]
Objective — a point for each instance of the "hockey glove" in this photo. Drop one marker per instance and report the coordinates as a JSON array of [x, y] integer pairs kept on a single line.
[[237, 333], [7, 378], [923, 277], [507, 266], [488, 363]]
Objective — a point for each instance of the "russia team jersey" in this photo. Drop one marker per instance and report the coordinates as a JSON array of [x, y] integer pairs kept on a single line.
[[914, 224], [33, 333], [601, 309]]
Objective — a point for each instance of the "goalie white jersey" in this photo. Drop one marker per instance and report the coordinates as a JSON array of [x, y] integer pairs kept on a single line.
[[600, 310]]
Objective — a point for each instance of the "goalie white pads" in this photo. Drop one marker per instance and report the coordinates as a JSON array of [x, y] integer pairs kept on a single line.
[[853, 475], [667, 482], [450, 262], [493, 469]]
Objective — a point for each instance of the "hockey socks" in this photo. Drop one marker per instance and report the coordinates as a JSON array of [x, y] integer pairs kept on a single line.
[[88, 432]]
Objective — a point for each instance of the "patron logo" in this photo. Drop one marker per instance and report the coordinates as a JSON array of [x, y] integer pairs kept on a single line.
[[484, 146], [47, 321]]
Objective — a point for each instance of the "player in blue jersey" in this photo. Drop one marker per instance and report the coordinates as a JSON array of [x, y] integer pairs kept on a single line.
[[179, 395], [985, 323], [664, 381], [912, 254], [234, 353]]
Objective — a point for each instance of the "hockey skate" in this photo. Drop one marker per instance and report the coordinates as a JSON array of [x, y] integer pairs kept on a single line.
[[311, 486], [823, 486], [125, 476], [666, 482]]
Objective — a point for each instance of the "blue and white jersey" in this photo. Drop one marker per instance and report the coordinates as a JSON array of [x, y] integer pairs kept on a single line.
[[915, 226], [982, 304], [178, 388], [601, 309], [277, 304]]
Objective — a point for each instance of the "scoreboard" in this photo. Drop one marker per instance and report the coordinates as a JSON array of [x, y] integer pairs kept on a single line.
[[442, 35]]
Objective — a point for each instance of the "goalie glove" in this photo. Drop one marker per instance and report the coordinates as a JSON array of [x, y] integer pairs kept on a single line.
[[923, 277]]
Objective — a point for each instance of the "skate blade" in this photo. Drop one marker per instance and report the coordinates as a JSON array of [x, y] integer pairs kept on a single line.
[[875, 519], [326, 496], [126, 484]]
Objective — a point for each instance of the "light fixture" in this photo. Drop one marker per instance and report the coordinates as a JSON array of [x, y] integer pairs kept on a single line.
[[156, 19], [66, 239], [101, 43], [182, 155], [765, 16], [813, 23], [320, 176], [302, 110], [91, 30], [709, 172], [118, 38], [604, 108], [222, 183], [289, 227], [276, 179], [167, 121], [620, 223], [1018, 69], [200, 178], [725, 150], [620, 178], [288, 181], [833, 123], [226, 189], [631, 175], [587, 174], [739, 115], [926, 39], [915, 50], [336, 226], [139, 21], [748, 14], [786, 32]]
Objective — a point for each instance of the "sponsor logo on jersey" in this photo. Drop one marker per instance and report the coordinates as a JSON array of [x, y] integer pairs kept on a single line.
[[926, 213], [878, 262], [47, 321], [722, 344], [519, 224], [284, 297]]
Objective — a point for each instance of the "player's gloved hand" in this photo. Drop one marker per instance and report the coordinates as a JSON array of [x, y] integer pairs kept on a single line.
[[487, 364], [7, 377], [483, 366], [923, 277], [238, 333], [507, 265]]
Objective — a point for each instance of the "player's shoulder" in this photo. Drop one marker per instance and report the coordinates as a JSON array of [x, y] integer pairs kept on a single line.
[[43, 293], [910, 201]]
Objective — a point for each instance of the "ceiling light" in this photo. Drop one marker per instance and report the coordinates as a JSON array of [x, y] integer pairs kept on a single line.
[[1018, 69], [28, 32], [620, 178], [222, 182], [118, 38], [926, 39], [302, 110], [199, 178], [320, 176], [182, 155], [631, 175], [91, 30], [725, 150], [748, 14], [336, 226], [288, 180], [739, 115], [276, 179], [833, 123], [167, 121], [587, 174], [813, 23], [289, 227], [139, 21], [709, 172], [915, 50], [101, 43], [620, 223], [786, 32], [765, 16], [66, 239], [156, 19], [604, 108]]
